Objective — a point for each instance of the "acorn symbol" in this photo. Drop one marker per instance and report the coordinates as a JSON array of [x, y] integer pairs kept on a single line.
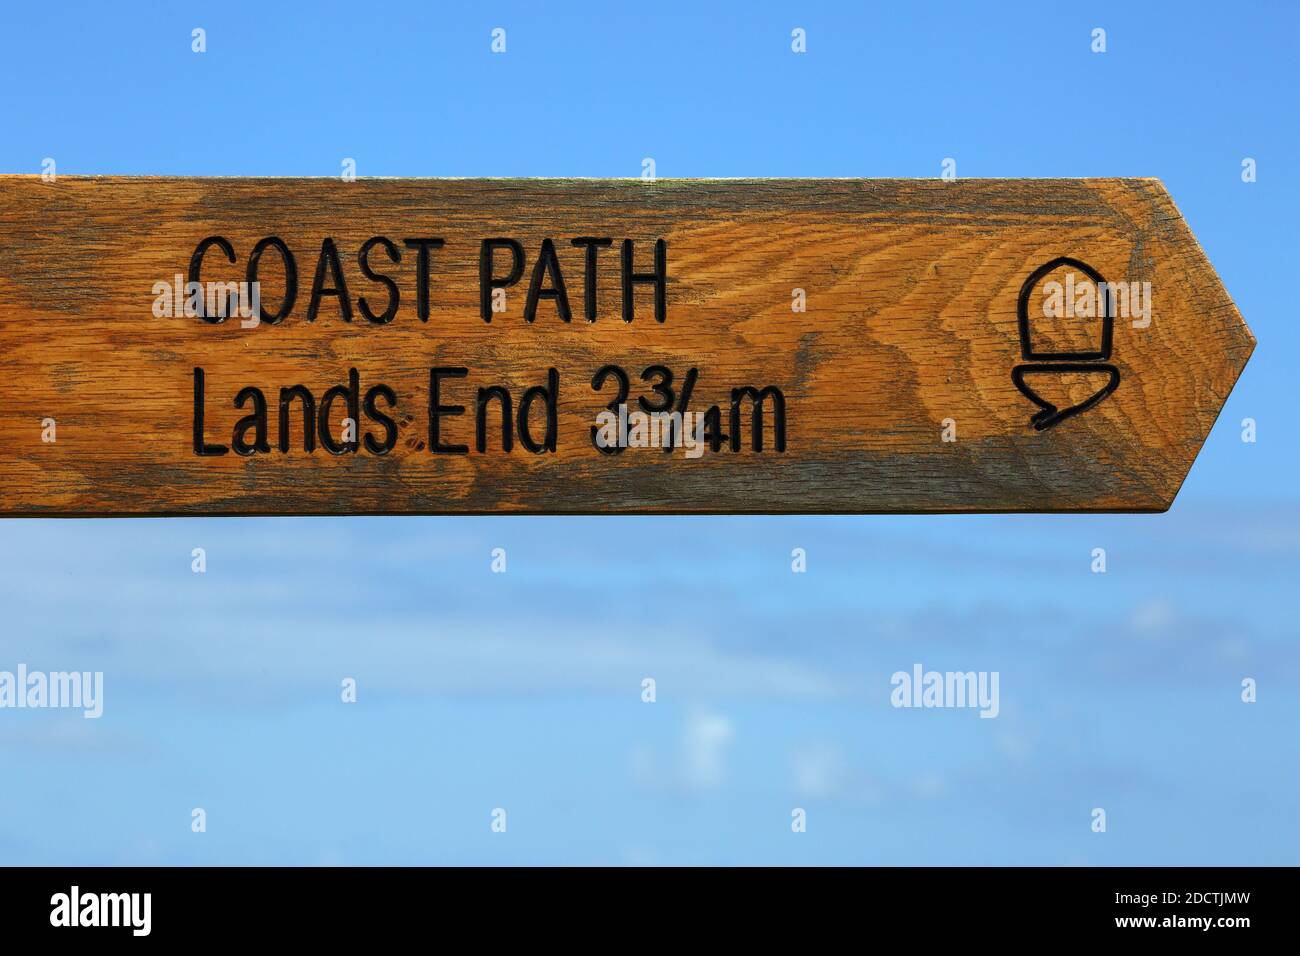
[[1058, 366]]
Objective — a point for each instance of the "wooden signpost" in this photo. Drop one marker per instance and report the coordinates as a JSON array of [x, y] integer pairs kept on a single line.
[[314, 346]]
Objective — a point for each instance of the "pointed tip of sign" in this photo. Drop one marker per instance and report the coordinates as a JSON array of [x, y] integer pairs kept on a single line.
[[1204, 330]]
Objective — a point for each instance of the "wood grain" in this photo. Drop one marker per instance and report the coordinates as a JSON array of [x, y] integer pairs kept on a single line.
[[911, 319]]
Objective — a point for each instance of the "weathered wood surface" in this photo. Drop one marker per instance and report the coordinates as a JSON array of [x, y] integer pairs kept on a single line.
[[911, 319]]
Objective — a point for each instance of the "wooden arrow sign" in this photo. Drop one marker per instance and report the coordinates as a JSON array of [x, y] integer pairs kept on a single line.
[[312, 346]]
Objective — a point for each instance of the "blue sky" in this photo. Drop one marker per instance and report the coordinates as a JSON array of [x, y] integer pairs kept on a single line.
[[523, 690]]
